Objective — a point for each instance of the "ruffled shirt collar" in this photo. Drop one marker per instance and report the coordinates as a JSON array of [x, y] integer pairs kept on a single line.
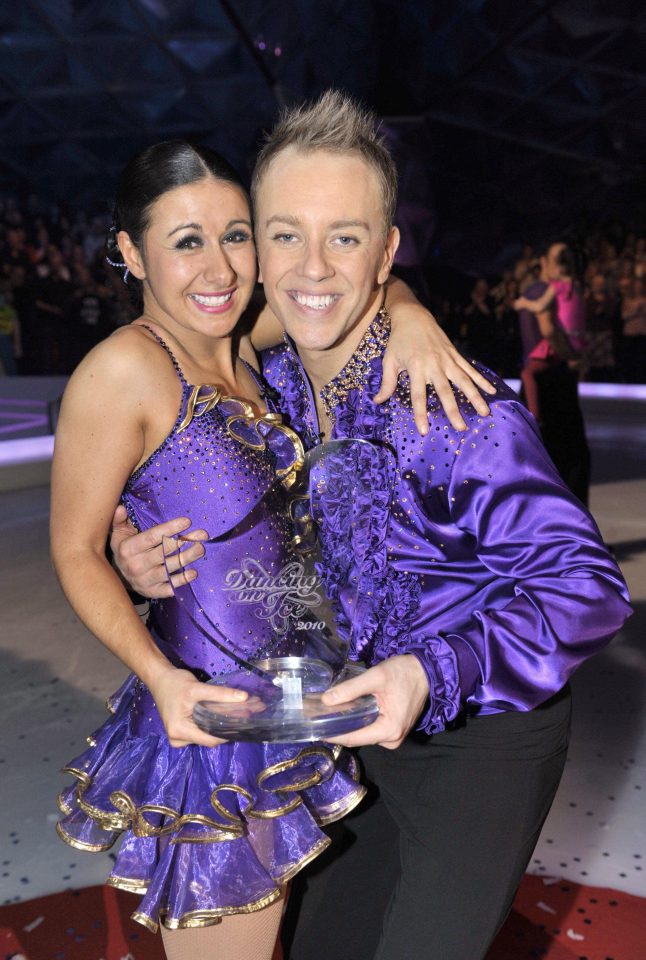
[[352, 387]]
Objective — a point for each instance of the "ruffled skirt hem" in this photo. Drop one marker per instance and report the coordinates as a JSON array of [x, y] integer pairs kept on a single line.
[[207, 832]]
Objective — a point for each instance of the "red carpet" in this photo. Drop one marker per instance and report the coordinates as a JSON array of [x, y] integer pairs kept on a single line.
[[556, 920]]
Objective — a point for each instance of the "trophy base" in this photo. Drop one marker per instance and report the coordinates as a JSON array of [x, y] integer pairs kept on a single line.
[[284, 704]]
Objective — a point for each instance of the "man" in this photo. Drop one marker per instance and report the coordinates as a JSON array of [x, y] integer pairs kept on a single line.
[[487, 584], [555, 386]]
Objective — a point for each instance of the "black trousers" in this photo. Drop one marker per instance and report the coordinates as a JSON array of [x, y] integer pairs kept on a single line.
[[563, 428], [429, 865]]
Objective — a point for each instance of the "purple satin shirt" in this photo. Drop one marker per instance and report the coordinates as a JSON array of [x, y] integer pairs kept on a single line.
[[484, 565]]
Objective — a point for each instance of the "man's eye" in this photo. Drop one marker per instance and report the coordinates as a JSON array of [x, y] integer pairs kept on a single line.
[[284, 237], [189, 242], [345, 241], [236, 236]]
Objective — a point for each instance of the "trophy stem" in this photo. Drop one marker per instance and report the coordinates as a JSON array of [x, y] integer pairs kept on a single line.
[[292, 688]]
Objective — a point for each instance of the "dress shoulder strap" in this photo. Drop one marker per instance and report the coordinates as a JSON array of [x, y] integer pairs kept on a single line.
[[162, 343]]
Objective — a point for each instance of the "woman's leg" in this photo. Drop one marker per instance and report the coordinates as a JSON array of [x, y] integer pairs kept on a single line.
[[530, 385], [251, 936]]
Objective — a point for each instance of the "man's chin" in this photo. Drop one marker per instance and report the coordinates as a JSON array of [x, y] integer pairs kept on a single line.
[[307, 336]]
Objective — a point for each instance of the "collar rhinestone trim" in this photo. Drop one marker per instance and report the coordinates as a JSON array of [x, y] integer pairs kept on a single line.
[[354, 374]]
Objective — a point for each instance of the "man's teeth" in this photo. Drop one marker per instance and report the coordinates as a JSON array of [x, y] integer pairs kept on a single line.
[[318, 303], [211, 301]]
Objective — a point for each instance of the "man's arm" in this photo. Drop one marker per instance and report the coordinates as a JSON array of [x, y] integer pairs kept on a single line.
[[569, 598], [538, 305]]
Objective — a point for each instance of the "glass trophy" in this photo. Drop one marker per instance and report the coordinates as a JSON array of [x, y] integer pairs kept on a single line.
[[277, 634]]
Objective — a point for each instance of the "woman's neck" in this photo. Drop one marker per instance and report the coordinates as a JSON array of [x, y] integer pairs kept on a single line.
[[204, 359]]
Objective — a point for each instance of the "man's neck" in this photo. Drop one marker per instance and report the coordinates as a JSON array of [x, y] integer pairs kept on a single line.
[[321, 366]]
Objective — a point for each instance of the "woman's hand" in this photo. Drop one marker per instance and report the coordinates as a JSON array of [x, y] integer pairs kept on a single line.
[[418, 345], [176, 692]]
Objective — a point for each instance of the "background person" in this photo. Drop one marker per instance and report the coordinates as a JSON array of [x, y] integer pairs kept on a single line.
[[551, 392]]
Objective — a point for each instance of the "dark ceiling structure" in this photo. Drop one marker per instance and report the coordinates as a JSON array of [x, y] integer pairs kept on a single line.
[[507, 119]]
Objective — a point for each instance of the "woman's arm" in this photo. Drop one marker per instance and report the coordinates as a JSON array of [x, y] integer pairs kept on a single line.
[[417, 345], [536, 306], [101, 437], [267, 330]]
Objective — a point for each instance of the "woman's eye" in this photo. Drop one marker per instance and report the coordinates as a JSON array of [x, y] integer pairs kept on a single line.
[[237, 236], [189, 242]]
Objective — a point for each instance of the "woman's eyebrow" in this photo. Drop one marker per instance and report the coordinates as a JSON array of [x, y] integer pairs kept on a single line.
[[198, 226], [186, 226]]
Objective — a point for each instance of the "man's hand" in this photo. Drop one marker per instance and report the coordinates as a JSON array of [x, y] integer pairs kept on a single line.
[[418, 345], [400, 687], [139, 557]]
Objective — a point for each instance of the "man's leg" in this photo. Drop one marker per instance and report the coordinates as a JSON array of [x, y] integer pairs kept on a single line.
[[336, 907], [469, 831], [563, 428]]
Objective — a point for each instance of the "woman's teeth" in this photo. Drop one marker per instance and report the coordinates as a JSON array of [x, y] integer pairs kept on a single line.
[[211, 301]]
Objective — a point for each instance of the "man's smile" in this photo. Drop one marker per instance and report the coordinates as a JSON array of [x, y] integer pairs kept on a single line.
[[319, 301]]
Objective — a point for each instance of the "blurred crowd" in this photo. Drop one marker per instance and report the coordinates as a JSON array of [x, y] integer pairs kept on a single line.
[[610, 280], [59, 297]]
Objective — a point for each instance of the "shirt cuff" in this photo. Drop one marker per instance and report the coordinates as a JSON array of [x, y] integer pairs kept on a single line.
[[452, 672]]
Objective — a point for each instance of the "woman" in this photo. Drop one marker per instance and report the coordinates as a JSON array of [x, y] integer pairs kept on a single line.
[[204, 841], [570, 321], [570, 307]]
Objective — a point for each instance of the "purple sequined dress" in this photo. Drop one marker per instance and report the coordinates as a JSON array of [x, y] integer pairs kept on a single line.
[[207, 831]]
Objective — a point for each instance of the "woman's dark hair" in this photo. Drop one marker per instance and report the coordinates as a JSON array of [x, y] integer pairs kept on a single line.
[[567, 262], [152, 173]]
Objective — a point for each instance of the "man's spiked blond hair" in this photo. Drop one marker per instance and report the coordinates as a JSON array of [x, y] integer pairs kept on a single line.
[[336, 123]]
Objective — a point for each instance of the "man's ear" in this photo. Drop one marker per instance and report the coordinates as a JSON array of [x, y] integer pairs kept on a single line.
[[390, 249], [131, 255]]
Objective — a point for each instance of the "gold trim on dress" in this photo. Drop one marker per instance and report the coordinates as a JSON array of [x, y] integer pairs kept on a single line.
[[81, 775], [341, 807], [315, 852], [311, 781], [128, 884], [289, 807], [144, 919], [199, 403], [63, 805], [81, 844], [250, 812], [205, 918]]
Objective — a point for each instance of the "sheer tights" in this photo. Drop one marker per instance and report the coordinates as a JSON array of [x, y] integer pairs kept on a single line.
[[244, 936]]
